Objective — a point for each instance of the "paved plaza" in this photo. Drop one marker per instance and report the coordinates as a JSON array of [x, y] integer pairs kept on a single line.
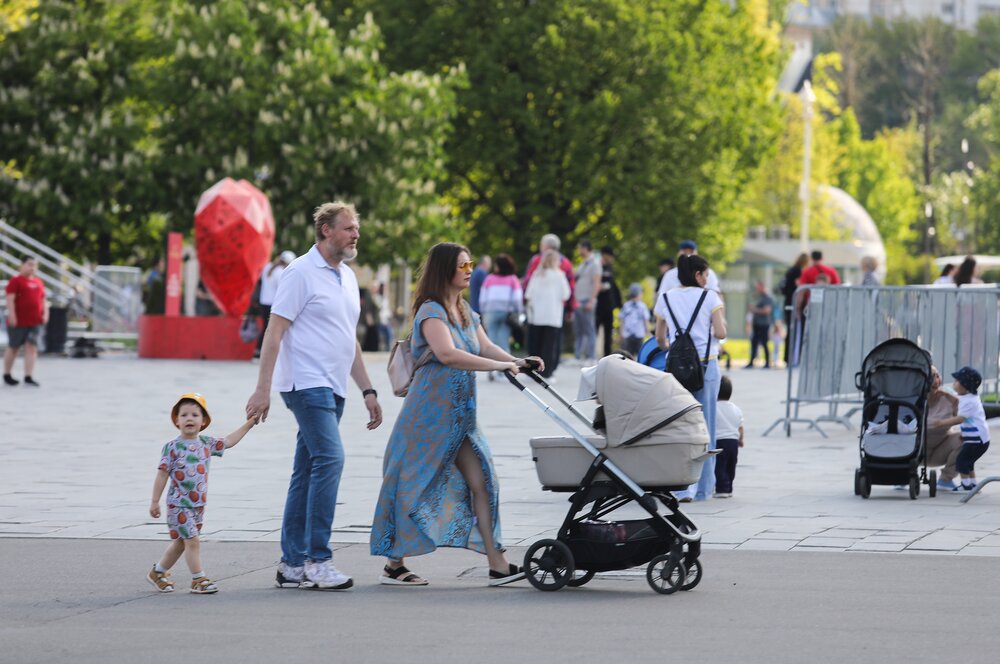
[[76, 472], [80, 455]]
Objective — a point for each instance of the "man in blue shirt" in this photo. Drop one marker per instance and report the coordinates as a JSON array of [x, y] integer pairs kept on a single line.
[[476, 284]]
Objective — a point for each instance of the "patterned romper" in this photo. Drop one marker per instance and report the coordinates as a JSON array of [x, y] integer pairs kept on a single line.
[[186, 463]]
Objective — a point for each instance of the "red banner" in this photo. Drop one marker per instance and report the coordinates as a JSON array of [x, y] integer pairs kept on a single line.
[[175, 258]]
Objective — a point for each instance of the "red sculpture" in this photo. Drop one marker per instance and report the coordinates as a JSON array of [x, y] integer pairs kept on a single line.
[[234, 236]]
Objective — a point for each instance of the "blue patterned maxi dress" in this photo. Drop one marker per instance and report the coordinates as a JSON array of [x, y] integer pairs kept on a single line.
[[425, 502]]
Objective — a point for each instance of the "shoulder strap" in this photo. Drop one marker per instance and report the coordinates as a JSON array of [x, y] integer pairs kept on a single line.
[[677, 326]]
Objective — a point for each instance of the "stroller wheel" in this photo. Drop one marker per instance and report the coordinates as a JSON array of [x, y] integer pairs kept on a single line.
[[580, 580], [693, 577], [914, 487], [932, 484], [865, 485], [666, 574], [548, 564]]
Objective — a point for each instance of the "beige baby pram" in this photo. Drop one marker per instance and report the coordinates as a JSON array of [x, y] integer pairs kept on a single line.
[[648, 438]]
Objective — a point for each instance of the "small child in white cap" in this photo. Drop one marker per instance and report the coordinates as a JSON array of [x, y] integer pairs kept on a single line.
[[634, 316], [184, 464]]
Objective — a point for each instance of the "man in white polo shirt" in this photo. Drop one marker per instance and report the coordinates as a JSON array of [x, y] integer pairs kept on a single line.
[[310, 348]]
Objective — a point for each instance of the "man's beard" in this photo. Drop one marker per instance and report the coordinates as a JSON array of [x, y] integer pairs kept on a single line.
[[347, 254]]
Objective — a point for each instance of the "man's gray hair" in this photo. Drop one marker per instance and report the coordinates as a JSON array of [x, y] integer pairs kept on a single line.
[[327, 214], [550, 241]]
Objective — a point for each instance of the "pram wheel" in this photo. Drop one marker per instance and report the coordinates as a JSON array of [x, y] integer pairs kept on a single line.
[[864, 484], [578, 581], [932, 484], [548, 564], [666, 574], [914, 487], [693, 577]]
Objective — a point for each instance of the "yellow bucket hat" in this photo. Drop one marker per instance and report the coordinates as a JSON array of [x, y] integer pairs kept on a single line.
[[198, 399]]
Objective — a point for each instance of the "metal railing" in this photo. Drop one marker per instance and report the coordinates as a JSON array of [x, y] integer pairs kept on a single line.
[[840, 325], [111, 304]]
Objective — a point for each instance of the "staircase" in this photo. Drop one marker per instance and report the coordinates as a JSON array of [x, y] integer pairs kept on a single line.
[[101, 303]]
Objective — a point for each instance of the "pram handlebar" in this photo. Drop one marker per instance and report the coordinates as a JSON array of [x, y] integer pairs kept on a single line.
[[530, 371]]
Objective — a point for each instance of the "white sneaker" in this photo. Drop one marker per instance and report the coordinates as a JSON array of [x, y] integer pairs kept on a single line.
[[723, 495], [288, 576], [324, 576]]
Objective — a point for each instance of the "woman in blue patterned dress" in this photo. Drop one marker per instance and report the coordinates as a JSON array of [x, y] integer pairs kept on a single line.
[[439, 487]]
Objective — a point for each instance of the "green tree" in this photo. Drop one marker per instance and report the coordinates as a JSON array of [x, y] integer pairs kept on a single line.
[[636, 124], [985, 198], [73, 133], [116, 115], [272, 93]]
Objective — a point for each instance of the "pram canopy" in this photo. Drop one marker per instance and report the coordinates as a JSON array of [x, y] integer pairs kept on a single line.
[[896, 368], [641, 403]]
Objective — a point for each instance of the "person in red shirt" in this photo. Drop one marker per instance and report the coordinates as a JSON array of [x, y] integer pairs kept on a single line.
[[27, 312], [818, 267]]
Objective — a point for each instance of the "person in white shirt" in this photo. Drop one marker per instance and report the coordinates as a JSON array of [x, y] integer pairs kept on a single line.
[[267, 287], [546, 296], [671, 279], [309, 350], [707, 329], [728, 438]]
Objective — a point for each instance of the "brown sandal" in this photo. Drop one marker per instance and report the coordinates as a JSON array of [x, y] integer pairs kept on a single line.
[[400, 577]]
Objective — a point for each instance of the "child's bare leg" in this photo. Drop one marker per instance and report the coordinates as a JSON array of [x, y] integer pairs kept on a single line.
[[468, 464], [172, 554], [192, 555]]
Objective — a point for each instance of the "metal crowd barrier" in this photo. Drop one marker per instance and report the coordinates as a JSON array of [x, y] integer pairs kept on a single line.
[[839, 325]]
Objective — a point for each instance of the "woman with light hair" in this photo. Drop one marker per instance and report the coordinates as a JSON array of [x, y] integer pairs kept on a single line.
[[546, 295], [868, 267], [943, 444]]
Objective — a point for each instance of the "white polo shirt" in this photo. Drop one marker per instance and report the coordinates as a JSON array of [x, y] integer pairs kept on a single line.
[[323, 304]]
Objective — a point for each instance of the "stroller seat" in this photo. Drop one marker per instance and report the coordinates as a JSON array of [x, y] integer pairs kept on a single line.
[[560, 462], [889, 445]]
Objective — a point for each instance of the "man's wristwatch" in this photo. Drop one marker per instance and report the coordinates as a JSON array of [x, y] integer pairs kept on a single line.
[[371, 391]]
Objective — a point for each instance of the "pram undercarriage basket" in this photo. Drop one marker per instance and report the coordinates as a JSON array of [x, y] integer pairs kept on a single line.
[[605, 474]]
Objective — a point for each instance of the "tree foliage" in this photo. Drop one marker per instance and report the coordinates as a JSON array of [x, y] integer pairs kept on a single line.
[[115, 114], [634, 124]]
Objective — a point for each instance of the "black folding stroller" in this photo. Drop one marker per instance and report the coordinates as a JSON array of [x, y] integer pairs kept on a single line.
[[649, 438], [895, 379]]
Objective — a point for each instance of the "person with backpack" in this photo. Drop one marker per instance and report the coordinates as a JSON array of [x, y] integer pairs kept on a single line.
[[690, 321]]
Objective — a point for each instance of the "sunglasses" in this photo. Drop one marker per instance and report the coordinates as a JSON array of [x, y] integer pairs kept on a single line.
[[468, 266]]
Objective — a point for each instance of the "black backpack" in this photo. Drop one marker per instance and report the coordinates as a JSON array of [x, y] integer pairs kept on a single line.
[[682, 357]]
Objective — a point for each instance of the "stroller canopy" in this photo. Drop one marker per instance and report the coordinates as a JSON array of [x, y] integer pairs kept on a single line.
[[640, 402], [897, 368]]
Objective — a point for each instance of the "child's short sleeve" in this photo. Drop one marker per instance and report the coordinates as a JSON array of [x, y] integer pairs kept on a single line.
[[967, 408], [216, 446], [739, 414], [165, 458]]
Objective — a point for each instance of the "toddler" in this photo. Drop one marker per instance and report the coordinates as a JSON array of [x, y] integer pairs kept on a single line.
[[184, 463], [972, 420], [634, 316], [728, 438]]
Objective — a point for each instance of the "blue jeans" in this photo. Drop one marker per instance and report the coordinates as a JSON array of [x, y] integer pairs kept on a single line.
[[497, 329], [708, 396], [319, 462]]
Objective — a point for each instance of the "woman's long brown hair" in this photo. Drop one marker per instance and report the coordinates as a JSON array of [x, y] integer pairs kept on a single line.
[[436, 274]]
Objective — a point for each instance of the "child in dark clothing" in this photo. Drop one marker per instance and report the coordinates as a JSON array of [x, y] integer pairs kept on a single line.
[[728, 438]]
